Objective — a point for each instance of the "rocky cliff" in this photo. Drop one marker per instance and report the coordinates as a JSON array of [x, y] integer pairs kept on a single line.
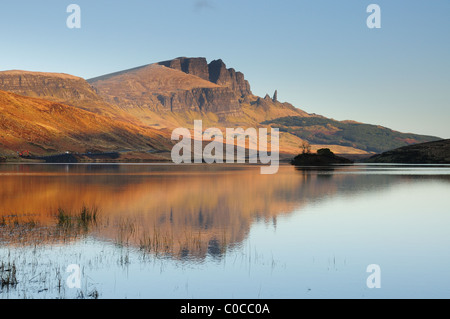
[[193, 66], [215, 72], [217, 100]]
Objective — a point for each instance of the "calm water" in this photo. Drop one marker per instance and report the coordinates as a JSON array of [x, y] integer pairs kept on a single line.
[[202, 231]]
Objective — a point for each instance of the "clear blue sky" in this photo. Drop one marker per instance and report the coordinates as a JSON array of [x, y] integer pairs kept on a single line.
[[320, 55]]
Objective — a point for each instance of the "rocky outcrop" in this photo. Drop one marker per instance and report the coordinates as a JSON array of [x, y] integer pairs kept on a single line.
[[193, 66], [215, 72], [219, 74], [263, 103]]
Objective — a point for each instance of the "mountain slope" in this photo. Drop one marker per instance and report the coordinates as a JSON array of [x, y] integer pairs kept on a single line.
[[46, 127], [158, 88], [61, 88], [173, 90], [437, 152], [323, 131]]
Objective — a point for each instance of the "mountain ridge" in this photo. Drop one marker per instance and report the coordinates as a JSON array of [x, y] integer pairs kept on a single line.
[[173, 93]]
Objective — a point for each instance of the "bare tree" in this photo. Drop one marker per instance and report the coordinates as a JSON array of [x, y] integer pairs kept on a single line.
[[306, 147]]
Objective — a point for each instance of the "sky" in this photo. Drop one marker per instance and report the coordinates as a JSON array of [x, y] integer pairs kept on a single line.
[[320, 55]]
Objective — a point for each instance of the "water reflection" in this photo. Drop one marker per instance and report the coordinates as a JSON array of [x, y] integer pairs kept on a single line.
[[180, 212]]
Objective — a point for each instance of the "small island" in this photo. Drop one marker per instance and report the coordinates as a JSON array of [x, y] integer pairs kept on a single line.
[[323, 157]]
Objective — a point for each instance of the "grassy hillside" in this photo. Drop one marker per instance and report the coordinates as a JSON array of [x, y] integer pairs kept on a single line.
[[371, 138], [45, 127]]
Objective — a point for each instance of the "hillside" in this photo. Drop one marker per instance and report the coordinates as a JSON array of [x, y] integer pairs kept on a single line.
[[323, 131], [161, 89], [437, 152], [61, 88], [45, 127]]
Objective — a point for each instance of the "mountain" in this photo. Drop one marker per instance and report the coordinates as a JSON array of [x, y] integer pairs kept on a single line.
[[46, 127], [437, 152], [174, 93], [156, 98], [189, 87], [161, 89]]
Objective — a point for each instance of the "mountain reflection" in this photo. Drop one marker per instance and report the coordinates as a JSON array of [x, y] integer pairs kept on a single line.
[[181, 212]]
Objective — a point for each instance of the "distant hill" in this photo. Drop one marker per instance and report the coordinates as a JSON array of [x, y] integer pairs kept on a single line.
[[437, 152], [371, 138]]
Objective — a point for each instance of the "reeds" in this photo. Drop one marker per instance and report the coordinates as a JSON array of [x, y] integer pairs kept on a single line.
[[8, 277], [166, 243], [85, 218]]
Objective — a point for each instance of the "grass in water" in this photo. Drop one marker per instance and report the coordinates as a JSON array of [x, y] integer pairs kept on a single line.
[[8, 277], [85, 218]]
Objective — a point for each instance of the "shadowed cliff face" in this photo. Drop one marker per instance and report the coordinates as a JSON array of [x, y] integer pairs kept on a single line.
[[193, 66], [218, 73], [215, 72]]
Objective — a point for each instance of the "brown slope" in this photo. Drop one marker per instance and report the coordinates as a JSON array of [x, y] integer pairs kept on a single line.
[[45, 127], [61, 88]]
